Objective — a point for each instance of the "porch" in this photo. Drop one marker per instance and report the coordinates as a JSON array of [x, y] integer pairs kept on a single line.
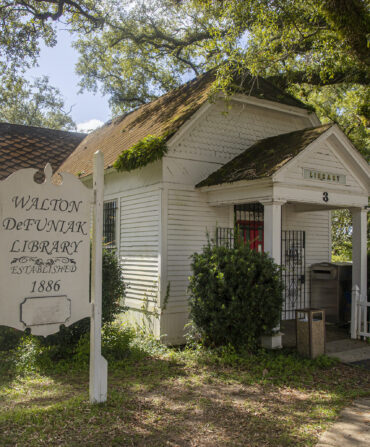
[[299, 243], [302, 177]]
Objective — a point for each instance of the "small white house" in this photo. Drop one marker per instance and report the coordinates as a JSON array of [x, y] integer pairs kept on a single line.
[[258, 158]]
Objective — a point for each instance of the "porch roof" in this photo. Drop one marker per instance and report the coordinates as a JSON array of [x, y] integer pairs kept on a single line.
[[265, 157]]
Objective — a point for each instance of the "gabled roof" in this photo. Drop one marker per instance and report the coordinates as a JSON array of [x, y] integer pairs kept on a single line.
[[264, 157], [164, 116], [33, 147]]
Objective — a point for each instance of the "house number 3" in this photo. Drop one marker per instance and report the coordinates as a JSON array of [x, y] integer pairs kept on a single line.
[[325, 197]]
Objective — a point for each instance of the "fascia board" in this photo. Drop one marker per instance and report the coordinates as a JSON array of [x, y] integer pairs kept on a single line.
[[355, 157], [237, 185], [276, 106]]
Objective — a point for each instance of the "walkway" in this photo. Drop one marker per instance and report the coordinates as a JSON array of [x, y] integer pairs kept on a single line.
[[352, 428], [350, 351]]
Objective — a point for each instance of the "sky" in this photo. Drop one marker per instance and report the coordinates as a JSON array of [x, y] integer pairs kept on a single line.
[[88, 110]]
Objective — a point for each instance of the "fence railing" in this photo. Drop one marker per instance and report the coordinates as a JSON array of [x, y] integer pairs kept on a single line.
[[360, 314], [225, 237]]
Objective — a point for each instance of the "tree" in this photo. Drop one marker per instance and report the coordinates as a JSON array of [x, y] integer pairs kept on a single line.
[[37, 104], [317, 50], [25, 23]]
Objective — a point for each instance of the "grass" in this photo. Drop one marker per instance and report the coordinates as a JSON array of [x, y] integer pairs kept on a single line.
[[167, 397]]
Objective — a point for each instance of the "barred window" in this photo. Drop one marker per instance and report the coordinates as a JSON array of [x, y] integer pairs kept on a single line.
[[249, 220], [109, 224]]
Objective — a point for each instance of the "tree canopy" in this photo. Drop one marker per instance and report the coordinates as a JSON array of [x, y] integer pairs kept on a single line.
[[135, 50], [33, 104], [316, 50], [24, 25]]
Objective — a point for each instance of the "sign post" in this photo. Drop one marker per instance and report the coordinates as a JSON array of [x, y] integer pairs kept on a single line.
[[98, 364], [45, 258]]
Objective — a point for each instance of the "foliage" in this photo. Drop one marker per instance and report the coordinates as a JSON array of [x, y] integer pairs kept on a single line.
[[267, 398], [145, 151], [24, 25], [38, 104], [346, 105], [27, 22], [136, 50], [64, 342], [235, 295], [341, 233], [318, 50], [120, 342]]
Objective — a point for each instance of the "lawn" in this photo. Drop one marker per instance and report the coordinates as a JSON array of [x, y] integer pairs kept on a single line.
[[168, 397]]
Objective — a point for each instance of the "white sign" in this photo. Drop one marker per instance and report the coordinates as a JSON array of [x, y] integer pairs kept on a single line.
[[312, 174], [45, 252], [45, 258]]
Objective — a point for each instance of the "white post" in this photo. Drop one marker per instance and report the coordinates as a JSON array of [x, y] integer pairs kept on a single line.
[[272, 230], [359, 253], [272, 245], [354, 311], [98, 364]]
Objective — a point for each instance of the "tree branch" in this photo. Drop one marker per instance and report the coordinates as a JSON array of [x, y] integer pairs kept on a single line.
[[351, 75]]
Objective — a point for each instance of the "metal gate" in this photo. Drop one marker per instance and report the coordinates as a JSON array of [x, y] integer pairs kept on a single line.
[[293, 261]]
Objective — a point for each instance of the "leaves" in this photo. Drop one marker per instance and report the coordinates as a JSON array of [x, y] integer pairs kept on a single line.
[[145, 151], [235, 295], [37, 104]]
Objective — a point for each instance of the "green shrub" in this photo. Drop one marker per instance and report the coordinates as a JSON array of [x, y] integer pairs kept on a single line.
[[9, 338], [116, 343], [120, 343], [236, 295], [65, 341]]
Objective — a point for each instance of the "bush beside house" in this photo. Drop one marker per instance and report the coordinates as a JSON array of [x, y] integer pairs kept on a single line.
[[236, 295]]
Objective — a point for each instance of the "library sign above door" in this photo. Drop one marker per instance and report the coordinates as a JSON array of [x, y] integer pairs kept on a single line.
[[44, 252]]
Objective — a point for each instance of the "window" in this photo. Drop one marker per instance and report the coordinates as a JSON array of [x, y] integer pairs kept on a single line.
[[249, 221], [109, 224], [251, 232]]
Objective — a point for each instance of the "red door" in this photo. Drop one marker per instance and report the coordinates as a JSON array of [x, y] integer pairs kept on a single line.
[[251, 232]]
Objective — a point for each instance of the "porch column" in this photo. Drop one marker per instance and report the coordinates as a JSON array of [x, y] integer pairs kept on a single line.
[[359, 255], [272, 229], [272, 245]]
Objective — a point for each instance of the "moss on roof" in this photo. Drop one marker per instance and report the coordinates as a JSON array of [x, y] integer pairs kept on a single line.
[[164, 116], [264, 157]]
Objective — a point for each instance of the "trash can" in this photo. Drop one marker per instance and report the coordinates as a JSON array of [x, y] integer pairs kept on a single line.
[[310, 332], [331, 290]]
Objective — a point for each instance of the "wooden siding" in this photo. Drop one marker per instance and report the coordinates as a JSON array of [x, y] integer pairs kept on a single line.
[[139, 244], [222, 132], [189, 220], [212, 140]]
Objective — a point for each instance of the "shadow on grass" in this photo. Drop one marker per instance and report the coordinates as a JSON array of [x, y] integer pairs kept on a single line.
[[169, 402]]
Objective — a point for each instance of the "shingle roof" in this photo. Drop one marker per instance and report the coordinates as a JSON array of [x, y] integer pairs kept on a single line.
[[33, 147], [264, 157], [163, 116]]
